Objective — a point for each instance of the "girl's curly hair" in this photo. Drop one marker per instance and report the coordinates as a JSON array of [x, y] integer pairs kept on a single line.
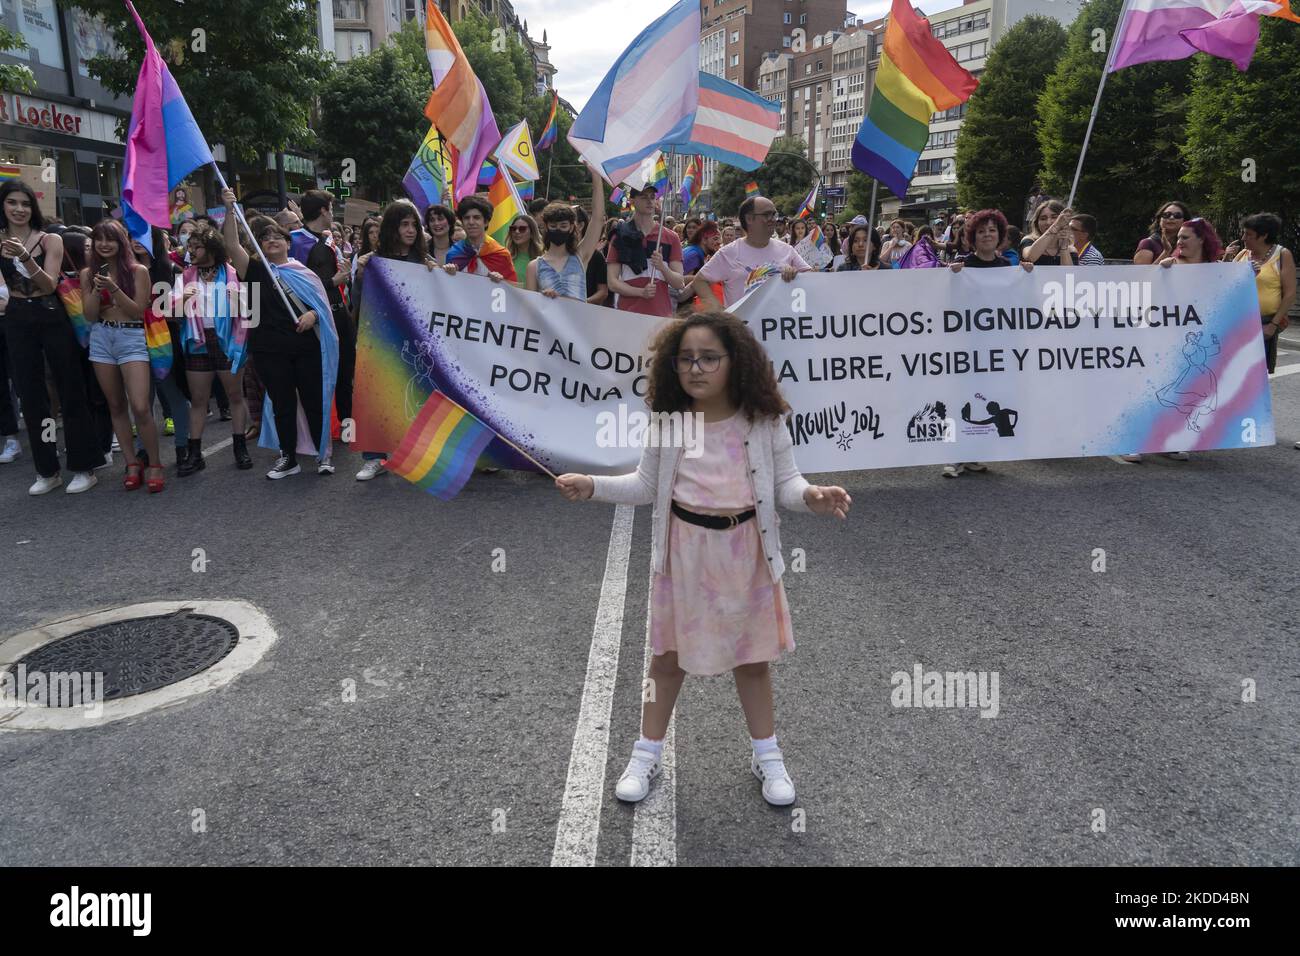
[[752, 384]]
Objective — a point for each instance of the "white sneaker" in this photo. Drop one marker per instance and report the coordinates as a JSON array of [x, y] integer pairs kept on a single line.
[[641, 769], [108, 460], [81, 481], [974, 466], [325, 467], [371, 469], [282, 469], [46, 485], [1297, 445], [116, 445], [778, 788], [11, 451], [1129, 459], [952, 471], [1178, 456]]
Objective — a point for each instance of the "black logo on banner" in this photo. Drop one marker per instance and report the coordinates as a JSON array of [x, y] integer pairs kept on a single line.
[[931, 423], [1003, 420]]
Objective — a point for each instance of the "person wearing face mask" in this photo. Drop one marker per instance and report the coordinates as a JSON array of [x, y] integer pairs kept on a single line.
[[561, 271]]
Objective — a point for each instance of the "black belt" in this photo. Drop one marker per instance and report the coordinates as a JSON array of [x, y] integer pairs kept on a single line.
[[716, 522], [122, 325]]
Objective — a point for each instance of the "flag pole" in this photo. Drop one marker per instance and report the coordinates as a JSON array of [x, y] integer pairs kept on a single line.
[[1096, 103], [239, 214], [870, 220]]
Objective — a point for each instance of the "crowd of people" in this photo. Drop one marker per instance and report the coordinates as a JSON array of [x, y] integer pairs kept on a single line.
[[86, 347]]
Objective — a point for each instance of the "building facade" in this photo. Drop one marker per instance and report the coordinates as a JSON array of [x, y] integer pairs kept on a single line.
[[62, 137]]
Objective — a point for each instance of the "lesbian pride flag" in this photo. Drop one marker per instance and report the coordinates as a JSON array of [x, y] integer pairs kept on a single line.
[[458, 105], [917, 77], [440, 448], [163, 144], [1175, 29]]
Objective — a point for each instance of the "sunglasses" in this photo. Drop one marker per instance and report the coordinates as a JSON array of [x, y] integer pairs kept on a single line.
[[520, 228], [1171, 215]]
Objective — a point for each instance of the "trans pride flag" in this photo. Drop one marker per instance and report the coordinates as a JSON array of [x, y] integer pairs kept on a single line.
[[648, 98], [917, 78], [163, 144]]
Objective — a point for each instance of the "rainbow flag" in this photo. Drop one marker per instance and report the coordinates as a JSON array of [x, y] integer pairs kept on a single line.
[[689, 193], [428, 180], [506, 204], [809, 204], [526, 191], [70, 295], [917, 77], [818, 240], [547, 139], [751, 189], [661, 175], [9, 171], [440, 448]]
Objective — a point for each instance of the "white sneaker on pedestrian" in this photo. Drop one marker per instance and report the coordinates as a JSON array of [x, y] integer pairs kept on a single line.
[[1297, 445], [44, 486], [108, 460], [371, 469], [81, 481], [778, 788], [1129, 459], [11, 451], [974, 466], [325, 467], [283, 469], [641, 769], [116, 445], [1178, 456], [952, 471]]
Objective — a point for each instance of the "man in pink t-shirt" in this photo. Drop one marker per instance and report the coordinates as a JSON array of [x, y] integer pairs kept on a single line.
[[750, 260], [642, 271]]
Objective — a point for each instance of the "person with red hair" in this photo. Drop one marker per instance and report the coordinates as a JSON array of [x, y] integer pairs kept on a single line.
[[1197, 242], [986, 230]]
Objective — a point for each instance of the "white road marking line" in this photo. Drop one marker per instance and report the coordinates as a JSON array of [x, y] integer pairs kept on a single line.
[[578, 830], [217, 447], [1286, 370], [654, 825]]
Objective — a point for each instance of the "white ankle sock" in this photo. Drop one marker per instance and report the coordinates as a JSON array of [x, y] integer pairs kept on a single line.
[[645, 743], [763, 746]]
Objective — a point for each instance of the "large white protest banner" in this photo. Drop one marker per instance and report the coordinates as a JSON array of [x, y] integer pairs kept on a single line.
[[882, 369]]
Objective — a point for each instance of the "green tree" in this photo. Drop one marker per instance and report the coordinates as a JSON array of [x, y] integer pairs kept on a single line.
[[857, 201], [997, 151], [248, 68], [1241, 147], [372, 112], [781, 177], [14, 76], [1134, 161]]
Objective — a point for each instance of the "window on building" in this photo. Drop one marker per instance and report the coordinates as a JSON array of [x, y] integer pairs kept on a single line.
[[785, 41], [110, 178], [349, 9], [349, 44], [735, 36], [786, 18], [735, 59]]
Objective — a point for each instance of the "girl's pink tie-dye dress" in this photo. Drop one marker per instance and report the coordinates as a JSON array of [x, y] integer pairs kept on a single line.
[[716, 604]]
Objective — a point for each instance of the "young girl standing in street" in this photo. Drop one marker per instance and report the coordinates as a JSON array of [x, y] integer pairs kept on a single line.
[[718, 603]]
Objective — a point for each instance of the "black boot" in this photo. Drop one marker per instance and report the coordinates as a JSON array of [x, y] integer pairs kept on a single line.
[[243, 460], [193, 460]]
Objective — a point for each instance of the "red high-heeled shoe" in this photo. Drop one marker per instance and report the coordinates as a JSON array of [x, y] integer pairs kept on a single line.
[[155, 485], [133, 479]]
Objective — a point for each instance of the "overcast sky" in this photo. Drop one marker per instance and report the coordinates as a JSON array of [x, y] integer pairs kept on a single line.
[[586, 36]]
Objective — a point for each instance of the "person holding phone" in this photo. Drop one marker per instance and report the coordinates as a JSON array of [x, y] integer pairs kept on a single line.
[[116, 295], [1050, 242]]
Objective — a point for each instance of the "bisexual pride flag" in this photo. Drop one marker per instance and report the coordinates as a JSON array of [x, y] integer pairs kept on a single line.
[[163, 144]]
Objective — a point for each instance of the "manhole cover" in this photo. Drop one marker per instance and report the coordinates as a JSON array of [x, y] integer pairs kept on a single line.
[[139, 654]]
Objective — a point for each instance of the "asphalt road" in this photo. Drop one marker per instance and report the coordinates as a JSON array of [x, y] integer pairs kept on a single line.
[[1119, 691]]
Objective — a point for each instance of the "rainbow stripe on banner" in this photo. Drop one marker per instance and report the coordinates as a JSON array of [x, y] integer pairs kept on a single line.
[[917, 77], [439, 450], [9, 171]]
